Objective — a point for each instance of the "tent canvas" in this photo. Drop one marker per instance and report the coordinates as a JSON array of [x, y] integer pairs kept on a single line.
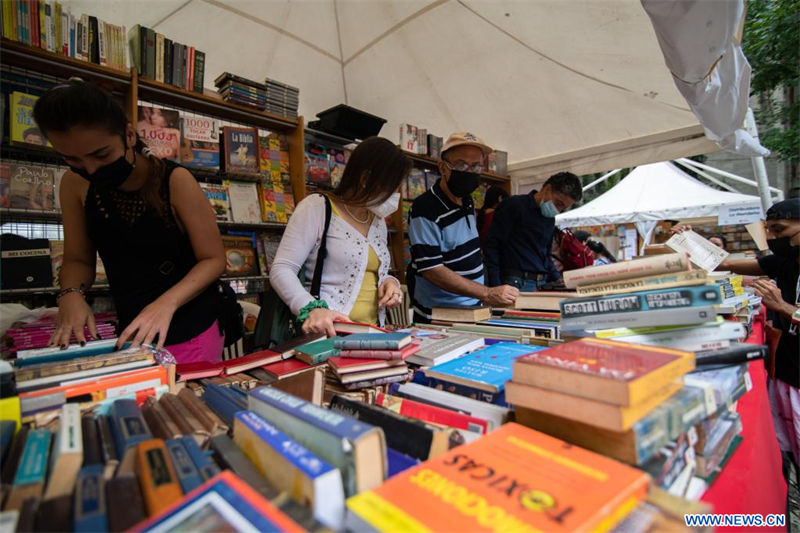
[[650, 193]]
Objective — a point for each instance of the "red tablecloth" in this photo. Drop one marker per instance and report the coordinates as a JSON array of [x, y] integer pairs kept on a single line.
[[752, 481]]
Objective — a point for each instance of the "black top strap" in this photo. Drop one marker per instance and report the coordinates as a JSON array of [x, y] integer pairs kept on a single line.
[[316, 282]]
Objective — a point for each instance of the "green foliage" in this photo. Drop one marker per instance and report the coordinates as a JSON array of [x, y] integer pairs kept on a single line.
[[772, 45]]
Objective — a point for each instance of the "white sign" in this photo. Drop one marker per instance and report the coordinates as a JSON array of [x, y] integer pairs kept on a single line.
[[730, 215]]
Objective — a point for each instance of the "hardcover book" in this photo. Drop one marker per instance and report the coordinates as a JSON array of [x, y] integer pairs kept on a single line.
[[160, 130], [240, 257], [373, 341], [244, 202], [648, 266], [31, 187], [240, 147], [218, 198], [561, 488]]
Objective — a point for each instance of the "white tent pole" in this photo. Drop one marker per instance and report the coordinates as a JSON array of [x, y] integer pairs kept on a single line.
[[759, 168], [601, 179], [724, 174], [708, 176]]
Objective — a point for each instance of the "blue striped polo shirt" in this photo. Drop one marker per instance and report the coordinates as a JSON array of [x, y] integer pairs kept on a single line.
[[442, 233]]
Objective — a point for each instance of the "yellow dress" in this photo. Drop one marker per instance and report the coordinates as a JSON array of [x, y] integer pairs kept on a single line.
[[365, 310]]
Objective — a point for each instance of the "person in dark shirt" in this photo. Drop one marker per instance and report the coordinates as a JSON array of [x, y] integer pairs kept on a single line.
[[782, 300], [494, 196], [519, 242]]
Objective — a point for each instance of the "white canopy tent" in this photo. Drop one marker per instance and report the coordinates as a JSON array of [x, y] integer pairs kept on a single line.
[[659, 191], [578, 85]]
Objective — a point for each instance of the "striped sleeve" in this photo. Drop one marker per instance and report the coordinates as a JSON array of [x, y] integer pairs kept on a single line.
[[426, 239]]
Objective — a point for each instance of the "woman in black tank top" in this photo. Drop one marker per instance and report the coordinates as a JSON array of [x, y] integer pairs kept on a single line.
[[147, 218]]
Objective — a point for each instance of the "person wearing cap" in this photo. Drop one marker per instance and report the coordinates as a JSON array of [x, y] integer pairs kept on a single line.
[[518, 249], [782, 300], [446, 268]]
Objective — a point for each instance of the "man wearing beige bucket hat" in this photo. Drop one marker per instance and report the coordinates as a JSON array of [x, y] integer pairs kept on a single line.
[[446, 268]]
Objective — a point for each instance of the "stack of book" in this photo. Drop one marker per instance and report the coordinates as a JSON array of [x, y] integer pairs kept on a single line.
[[370, 359], [30, 340], [281, 99], [240, 90]]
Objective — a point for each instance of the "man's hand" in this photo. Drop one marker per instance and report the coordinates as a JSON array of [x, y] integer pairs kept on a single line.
[[501, 296], [680, 228], [771, 296]]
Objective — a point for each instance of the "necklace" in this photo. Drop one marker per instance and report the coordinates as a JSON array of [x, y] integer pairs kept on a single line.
[[354, 217]]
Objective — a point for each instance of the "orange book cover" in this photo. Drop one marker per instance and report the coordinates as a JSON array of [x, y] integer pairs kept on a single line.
[[117, 384], [513, 479]]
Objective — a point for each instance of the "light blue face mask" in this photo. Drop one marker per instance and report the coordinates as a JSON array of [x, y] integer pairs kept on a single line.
[[549, 209]]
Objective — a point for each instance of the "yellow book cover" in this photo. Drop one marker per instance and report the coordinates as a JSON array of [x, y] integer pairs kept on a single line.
[[22, 128]]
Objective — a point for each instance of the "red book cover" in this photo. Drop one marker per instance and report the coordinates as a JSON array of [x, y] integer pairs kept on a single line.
[[400, 355], [431, 413], [603, 358], [247, 362], [286, 368], [346, 365], [198, 370]]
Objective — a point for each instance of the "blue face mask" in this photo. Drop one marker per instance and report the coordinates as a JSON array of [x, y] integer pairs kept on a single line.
[[549, 209]]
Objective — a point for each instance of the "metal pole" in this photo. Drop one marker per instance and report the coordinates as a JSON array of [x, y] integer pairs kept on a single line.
[[707, 176], [759, 169], [728, 175], [601, 179]]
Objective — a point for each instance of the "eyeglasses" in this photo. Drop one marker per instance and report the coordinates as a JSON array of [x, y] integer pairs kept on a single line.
[[461, 166]]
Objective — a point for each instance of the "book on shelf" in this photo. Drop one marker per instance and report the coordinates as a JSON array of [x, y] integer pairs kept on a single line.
[[31, 186], [200, 142], [573, 489], [239, 150], [243, 198], [648, 266], [23, 130], [408, 138], [5, 182], [160, 130], [240, 257], [217, 196]]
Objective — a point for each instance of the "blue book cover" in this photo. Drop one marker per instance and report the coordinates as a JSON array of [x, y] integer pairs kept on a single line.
[[373, 341], [399, 462], [90, 500], [188, 475], [677, 298], [74, 351], [486, 370], [204, 464], [224, 402], [494, 398], [127, 425], [329, 421], [298, 455], [33, 463]]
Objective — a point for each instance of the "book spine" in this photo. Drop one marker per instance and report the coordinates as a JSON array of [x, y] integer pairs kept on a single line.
[[366, 344], [85, 53], [199, 71], [94, 40], [431, 413], [689, 315], [90, 500], [72, 35], [205, 466], [388, 355], [168, 54], [159, 57], [56, 26], [188, 475], [665, 281], [150, 54], [34, 460], [127, 425], [641, 301], [494, 398], [124, 496], [33, 12], [65, 33], [735, 354], [648, 266], [176, 57], [160, 486], [8, 20]]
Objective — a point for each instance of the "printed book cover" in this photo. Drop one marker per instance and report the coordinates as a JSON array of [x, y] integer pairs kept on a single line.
[[160, 130], [487, 369]]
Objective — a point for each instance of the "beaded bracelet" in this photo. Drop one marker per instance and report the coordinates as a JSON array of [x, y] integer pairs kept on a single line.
[[313, 304], [81, 290]]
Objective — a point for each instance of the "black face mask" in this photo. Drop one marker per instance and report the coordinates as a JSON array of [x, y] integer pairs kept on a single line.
[[462, 183], [783, 248], [110, 176]]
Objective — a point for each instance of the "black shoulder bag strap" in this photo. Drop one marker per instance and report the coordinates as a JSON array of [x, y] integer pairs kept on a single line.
[[316, 282]]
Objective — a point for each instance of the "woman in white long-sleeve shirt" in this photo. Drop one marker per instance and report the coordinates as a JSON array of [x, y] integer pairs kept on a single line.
[[356, 284]]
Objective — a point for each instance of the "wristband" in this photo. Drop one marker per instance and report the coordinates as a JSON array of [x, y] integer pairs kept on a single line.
[[313, 304], [64, 292]]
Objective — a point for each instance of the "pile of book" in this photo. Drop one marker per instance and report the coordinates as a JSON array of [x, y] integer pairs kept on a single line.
[[51, 27], [242, 91], [161, 59], [281, 99], [29, 341], [369, 359]]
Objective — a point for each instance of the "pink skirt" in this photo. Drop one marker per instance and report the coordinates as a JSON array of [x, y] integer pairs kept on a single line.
[[785, 402], [207, 346]]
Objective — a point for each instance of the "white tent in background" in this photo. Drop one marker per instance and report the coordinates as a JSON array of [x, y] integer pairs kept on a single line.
[[659, 191]]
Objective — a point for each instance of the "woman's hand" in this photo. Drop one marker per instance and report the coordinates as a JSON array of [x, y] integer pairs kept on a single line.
[[389, 294], [153, 320], [321, 321], [73, 315], [679, 228]]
